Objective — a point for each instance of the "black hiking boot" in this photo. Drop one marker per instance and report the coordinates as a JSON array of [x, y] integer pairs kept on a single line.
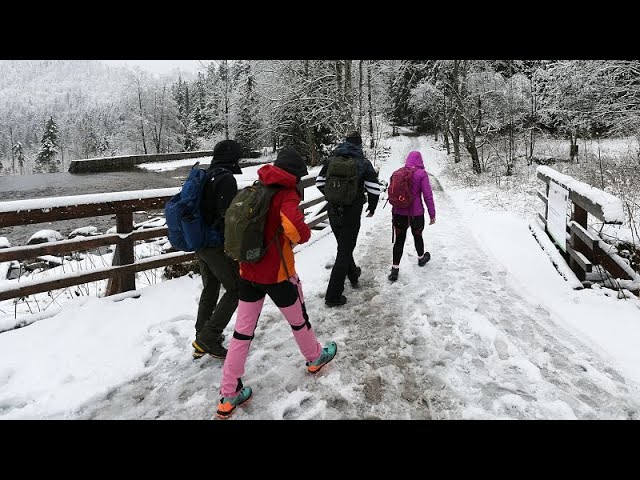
[[422, 261], [393, 276], [200, 350], [355, 279], [341, 300]]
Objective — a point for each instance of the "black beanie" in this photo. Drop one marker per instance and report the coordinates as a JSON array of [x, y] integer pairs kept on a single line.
[[292, 162], [227, 153], [355, 138]]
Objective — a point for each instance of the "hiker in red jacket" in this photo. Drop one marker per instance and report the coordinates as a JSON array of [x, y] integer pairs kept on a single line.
[[413, 215], [273, 275]]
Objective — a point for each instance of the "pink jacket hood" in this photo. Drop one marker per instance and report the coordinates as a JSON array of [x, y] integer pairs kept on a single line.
[[414, 159]]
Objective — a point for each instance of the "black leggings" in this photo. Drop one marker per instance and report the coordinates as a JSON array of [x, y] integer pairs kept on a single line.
[[401, 224]]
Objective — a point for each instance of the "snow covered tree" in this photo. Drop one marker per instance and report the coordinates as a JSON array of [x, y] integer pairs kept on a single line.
[[182, 99], [406, 76], [46, 159], [18, 152], [426, 102], [568, 93], [247, 126]]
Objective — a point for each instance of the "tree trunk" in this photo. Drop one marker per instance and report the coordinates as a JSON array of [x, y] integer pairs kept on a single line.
[[470, 145], [348, 91], [532, 141], [360, 93], [475, 161], [13, 155], [311, 141], [532, 135], [445, 124], [226, 115], [227, 93], [455, 86], [144, 142], [164, 89], [455, 134], [573, 147], [371, 143], [510, 160]]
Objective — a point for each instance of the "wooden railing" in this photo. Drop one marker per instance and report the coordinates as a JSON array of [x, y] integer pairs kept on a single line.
[[585, 248], [121, 273]]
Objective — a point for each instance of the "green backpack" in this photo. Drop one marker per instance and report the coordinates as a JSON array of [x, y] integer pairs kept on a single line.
[[244, 223], [341, 187]]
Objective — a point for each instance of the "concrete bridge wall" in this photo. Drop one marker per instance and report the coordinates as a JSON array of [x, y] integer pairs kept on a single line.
[[127, 162]]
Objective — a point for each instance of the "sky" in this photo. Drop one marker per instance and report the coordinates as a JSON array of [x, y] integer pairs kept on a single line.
[[487, 330], [161, 66]]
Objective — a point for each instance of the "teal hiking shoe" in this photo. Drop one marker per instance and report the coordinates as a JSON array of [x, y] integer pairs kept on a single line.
[[227, 405], [328, 352]]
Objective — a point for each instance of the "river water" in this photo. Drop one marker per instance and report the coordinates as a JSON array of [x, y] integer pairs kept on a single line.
[[19, 187]]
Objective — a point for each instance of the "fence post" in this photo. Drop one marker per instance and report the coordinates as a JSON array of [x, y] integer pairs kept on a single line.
[[300, 189], [546, 206], [579, 215], [124, 255]]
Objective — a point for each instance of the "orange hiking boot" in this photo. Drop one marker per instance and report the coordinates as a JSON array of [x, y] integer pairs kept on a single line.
[[227, 405], [328, 352]]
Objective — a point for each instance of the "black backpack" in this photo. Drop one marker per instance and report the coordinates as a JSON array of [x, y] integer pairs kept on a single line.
[[341, 187], [245, 220], [187, 229]]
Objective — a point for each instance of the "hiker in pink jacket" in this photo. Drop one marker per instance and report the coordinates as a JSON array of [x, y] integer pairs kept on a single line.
[[413, 216]]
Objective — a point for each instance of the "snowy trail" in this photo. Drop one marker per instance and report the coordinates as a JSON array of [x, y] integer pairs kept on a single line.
[[451, 340], [462, 343]]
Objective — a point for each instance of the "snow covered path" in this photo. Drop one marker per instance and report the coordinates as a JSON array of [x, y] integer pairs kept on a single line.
[[450, 340], [456, 339]]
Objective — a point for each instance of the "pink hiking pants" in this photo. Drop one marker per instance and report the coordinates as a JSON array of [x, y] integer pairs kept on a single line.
[[246, 322]]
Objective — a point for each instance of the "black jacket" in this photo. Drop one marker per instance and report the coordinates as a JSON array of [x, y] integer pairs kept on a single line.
[[367, 176]]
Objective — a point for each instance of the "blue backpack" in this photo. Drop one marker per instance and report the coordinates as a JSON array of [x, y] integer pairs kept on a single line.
[[187, 228]]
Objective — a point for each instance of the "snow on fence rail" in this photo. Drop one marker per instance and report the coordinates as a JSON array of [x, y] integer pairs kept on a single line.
[[584, 248], [121, 273]]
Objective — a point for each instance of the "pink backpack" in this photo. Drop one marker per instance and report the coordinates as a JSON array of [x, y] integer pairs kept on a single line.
[[400, 191]]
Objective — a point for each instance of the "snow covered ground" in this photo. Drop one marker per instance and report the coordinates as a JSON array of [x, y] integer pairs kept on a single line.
[[486, 330]]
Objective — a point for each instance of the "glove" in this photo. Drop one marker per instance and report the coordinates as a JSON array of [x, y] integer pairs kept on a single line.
[[433, 220]]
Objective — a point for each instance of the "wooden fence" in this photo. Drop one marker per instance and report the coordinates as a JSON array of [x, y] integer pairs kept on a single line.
[[585, 248], [121, 273]]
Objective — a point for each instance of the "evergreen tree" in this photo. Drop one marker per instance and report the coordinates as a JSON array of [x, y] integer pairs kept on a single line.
[[46, 160], [181, 95], [247, 128], [198, 118]]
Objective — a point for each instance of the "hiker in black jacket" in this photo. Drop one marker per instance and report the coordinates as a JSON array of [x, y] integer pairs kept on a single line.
[[216, 267], [345, 220]]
